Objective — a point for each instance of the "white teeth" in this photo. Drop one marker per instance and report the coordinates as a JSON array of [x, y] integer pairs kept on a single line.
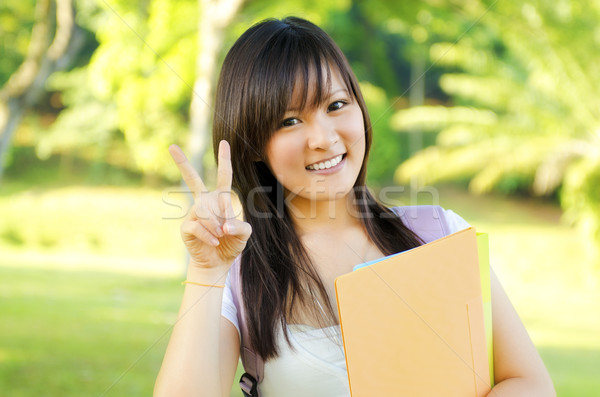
[[325, 165]]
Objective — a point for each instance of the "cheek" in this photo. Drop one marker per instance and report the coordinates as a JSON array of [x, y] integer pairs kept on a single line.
[[282, 153], [354, 130]]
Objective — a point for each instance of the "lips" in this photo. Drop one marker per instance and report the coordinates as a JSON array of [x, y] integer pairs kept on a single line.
[[325, 164]]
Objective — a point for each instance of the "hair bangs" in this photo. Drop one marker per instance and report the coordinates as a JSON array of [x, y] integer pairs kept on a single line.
[[292, 72], [314, 65]]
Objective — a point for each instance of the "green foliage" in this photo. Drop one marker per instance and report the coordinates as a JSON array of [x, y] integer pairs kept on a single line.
[[131, 101], [510, 88], [87, 125], [313, 10], [145, 65], [388, 148], [581, 196], [526, 114], [16, 21]]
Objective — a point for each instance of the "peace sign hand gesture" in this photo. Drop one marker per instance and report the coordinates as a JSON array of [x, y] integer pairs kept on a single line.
[[211, 233]]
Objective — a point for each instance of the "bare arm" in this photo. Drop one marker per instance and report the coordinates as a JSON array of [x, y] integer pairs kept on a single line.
[[203, 351], [518, 368], [230, 354]]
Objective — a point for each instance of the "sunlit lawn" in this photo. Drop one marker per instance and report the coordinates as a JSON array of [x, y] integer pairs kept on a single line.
[[77, 332], [90, 286]]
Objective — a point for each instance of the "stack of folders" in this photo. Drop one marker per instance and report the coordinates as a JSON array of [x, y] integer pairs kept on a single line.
[[418, 323]]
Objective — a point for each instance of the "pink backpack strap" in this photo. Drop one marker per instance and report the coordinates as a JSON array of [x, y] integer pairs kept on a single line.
[[426, 221], [252, 362]]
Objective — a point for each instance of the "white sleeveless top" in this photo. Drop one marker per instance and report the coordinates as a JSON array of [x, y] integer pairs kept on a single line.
[[315, 365]]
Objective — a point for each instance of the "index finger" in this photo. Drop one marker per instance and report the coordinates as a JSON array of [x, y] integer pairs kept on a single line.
[[188, 173], [224, 169]]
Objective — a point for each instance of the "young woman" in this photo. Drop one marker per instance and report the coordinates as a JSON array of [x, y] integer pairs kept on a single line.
[[292, 134]]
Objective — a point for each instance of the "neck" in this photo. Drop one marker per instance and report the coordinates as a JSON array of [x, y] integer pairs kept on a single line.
[[312, 216]]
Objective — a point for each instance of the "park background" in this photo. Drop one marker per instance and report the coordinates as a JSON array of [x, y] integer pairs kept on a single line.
[[491, 108]]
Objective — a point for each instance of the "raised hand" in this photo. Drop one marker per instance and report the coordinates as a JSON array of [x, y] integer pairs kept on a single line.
[[210, 231]]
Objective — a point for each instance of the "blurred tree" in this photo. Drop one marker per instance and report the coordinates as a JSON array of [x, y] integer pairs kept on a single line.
[[153, 74], [377, 60], [17, 19], [215, 16], [55, 42], [150, 76], [387, 44], [141, 74], [527, 110]]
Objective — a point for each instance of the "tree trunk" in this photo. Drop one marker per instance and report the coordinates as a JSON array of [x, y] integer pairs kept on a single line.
[[55, 42], [215, 16]]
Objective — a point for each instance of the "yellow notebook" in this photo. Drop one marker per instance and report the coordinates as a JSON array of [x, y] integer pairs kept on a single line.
[[413, 323]]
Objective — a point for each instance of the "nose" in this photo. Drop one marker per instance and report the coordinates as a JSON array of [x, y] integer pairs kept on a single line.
[[322, 134]]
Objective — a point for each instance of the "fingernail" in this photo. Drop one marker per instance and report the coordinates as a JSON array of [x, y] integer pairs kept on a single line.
[[219, 232], [230, 228], [214, 241]]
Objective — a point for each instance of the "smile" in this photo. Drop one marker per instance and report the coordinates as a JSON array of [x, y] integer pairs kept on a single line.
[[323, 165]]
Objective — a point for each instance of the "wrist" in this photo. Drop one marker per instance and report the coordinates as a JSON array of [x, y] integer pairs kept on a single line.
[[209, 276]]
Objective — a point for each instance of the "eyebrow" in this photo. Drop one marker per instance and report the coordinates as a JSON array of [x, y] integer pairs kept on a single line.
[[342, 89]]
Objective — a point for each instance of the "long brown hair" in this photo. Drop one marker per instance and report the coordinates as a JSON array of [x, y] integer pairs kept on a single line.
[[254, 90]]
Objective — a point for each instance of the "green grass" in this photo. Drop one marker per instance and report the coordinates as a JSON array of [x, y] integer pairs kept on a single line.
[[124, 222], [70, 333], [89, 288], [80, 333]]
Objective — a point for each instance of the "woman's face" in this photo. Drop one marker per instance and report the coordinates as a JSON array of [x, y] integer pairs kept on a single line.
[[317, 152]]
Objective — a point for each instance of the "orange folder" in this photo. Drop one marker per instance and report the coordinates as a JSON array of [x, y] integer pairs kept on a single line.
[[413, 323]]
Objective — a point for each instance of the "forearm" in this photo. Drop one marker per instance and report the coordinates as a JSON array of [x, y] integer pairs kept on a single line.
[[192, 363]]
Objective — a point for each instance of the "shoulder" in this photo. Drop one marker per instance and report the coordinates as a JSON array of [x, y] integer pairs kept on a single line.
[[455, 222], [430, 222]]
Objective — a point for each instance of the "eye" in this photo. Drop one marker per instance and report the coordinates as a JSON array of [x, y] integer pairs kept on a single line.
[[290, 122], [337, 105]]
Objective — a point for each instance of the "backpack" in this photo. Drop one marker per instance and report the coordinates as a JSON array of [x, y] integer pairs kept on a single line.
[[428, 222]]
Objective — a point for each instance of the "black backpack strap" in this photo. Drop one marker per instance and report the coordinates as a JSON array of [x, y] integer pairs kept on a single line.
[[252, 362], [249, 385]]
